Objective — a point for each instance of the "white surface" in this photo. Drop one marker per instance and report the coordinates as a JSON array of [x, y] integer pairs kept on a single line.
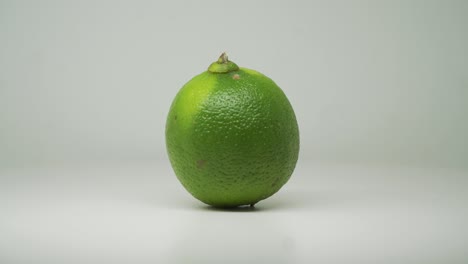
[[326, 214]]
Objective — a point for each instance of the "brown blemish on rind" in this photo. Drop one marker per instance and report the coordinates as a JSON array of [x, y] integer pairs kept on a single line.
[[201, 163], [236, 76]]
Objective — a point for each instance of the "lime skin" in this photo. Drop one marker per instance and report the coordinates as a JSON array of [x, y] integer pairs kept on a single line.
[[232, 137]]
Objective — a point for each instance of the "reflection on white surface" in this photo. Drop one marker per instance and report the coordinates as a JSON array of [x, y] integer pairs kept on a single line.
[[325, 214]]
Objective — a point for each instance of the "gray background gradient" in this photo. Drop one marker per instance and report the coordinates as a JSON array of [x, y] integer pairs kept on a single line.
[[380, 81], [380, 90]]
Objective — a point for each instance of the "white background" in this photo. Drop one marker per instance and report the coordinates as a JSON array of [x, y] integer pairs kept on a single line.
[[380, 90]]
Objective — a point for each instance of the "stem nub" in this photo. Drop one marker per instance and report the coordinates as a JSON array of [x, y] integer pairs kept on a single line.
[[223, 58], [223, 65]]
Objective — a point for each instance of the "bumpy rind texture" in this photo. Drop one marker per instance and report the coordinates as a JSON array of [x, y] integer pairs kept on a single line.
[[232, 138]]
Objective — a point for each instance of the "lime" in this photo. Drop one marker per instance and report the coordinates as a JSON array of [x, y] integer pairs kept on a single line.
[[232, 136]]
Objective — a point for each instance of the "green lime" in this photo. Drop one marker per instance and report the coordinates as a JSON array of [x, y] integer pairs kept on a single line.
[[232, 136]]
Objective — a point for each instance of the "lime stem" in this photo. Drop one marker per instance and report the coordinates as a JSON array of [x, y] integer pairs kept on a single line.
[[223, 65], [223, 58]]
